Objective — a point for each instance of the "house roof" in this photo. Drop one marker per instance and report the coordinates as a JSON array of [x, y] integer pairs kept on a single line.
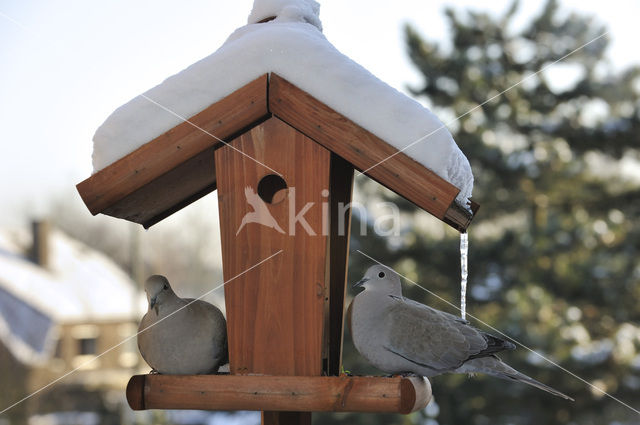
[[286, 49], [177, 168], [80, 285], [25, 330]]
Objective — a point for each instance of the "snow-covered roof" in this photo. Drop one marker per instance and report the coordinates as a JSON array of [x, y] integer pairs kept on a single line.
[[297, 10], [294, 47], [81, 285]]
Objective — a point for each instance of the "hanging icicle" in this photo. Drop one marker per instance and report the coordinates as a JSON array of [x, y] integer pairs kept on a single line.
[[464, 254]]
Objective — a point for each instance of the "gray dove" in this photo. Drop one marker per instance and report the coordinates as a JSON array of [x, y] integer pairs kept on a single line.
[[398, 335], [192, 340]]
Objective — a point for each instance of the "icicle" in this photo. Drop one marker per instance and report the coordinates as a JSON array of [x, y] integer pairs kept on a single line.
[[464, 254]]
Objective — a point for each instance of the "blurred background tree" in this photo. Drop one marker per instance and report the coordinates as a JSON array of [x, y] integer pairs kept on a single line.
[[189, 255], [554, 248]]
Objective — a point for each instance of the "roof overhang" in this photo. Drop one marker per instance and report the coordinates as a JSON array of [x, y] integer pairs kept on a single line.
[[177, 168]]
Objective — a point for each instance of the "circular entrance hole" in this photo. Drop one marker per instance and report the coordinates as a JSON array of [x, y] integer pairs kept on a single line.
[[272, 189]]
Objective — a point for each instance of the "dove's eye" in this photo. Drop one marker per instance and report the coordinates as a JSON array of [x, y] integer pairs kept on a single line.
[[165, 287], [381, 275]]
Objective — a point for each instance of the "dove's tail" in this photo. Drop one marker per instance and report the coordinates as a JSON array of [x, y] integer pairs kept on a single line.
[[492, 365]]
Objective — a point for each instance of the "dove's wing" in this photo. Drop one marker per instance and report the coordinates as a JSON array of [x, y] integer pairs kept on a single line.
[[435, 339], [442, 313]]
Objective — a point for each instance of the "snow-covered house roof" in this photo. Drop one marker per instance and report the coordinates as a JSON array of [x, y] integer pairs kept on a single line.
[[291, 46], [79, 285]]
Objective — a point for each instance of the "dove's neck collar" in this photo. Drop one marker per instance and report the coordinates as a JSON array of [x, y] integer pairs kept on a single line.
[[167, 303], [387, 290]]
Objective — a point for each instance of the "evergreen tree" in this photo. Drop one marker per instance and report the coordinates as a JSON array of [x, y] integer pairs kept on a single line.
[[554, 247]]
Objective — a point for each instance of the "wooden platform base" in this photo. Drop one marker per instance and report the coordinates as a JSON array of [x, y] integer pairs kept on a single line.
[[279, 393]]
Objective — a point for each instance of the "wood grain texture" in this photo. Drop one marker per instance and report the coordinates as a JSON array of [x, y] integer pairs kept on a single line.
[[284, 393], [361, 148], [459, 218], [136, 392], [168, 193], [275, 311], [131, 175]]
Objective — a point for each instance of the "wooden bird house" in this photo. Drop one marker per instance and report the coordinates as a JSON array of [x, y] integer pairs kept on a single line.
[[283, 165]]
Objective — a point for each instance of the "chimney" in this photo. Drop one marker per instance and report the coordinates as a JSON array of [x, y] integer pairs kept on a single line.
[[40, 248]]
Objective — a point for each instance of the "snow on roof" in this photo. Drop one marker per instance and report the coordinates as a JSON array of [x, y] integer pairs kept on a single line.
[[299, 52], [294, 10], [80, 285]]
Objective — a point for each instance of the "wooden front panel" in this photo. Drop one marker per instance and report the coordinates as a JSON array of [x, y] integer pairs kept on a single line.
[[274, 310]]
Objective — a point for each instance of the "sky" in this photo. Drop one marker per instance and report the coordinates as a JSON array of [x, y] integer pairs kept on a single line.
[[66, 65]]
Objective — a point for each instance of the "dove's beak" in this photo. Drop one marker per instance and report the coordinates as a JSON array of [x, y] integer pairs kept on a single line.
[[152, 302], [361, 282]]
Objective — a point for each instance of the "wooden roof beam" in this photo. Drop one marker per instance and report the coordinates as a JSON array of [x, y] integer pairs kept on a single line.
[[149, 183], [394, 170]]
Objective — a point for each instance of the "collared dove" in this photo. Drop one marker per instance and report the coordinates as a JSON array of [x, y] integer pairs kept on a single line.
[[181, 336], [398, 335]]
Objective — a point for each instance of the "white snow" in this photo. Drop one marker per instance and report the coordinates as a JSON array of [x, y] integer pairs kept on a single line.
[[81, 284], [289, 10], [294, 47]]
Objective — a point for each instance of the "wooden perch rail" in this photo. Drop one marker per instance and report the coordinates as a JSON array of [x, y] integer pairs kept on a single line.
[[279, 393]]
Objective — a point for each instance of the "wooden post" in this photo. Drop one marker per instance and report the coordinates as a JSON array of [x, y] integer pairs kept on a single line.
[[286, 418]]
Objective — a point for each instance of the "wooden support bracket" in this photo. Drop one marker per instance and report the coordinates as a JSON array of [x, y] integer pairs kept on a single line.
[[279, 393]]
